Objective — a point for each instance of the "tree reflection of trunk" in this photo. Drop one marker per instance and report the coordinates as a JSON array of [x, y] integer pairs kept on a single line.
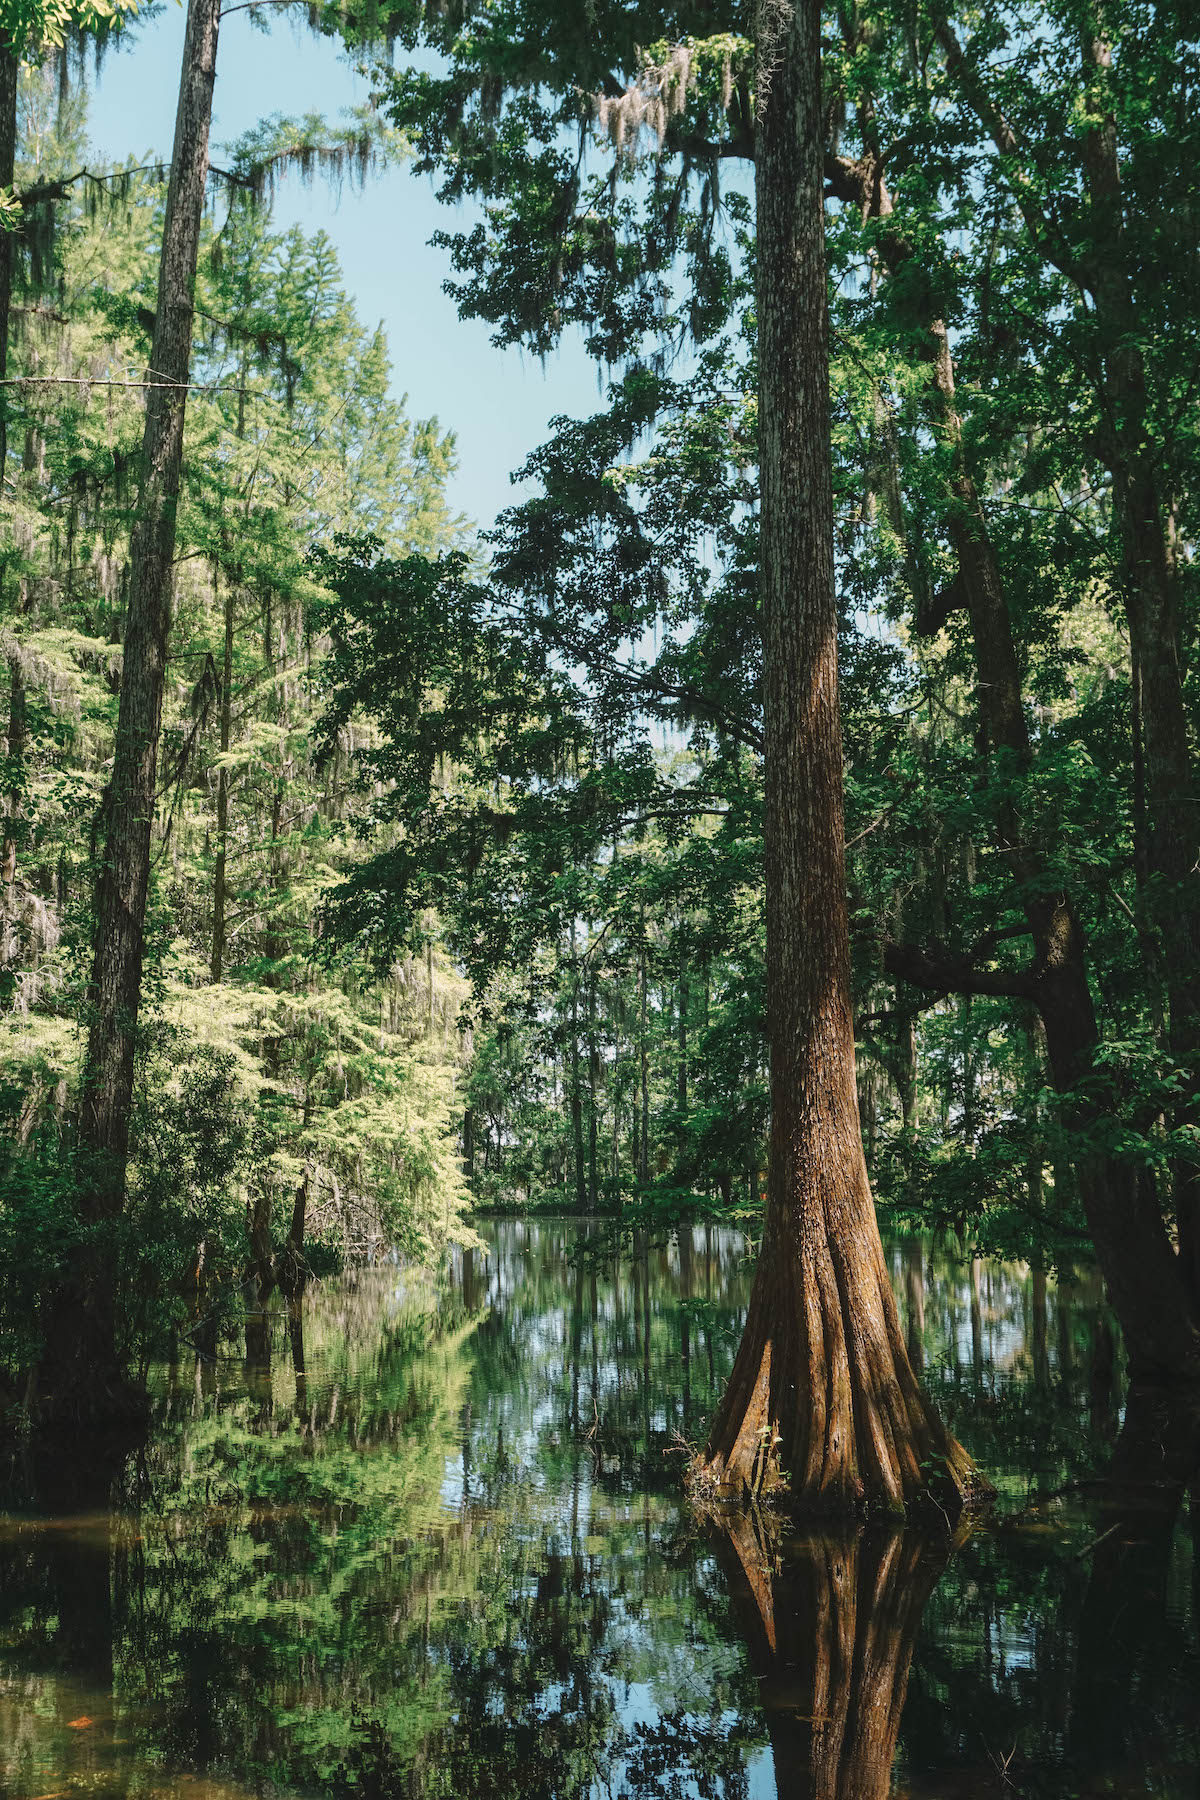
[[830, 1624], [1039, 1351], [1129, 1647], [1102, 1397], [976, 1318], [472, 1285], [80, 1560], [1064, 1321], [576, 1343], [685, 1328], [296, 1340], [258, 1351], [914, 1301]]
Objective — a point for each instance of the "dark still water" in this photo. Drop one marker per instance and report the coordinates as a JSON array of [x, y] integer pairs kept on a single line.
[[437, 1548]]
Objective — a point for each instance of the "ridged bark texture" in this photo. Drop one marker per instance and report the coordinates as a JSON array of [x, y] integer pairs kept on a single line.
[[823, 1401]]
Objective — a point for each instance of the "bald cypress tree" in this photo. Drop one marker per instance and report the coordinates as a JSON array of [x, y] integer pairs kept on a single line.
[[823, 1399]]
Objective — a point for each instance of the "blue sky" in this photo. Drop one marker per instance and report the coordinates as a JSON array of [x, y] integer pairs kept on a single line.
[[498, 402]]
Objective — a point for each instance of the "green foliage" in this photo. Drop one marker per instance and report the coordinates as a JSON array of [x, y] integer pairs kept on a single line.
[[262, 1072], [601, 815]]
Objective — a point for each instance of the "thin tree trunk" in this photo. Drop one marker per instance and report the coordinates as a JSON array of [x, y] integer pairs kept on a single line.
[[10, 66], [10, 937], [914, 1299], [643, 1064], [128, 810], [593, 1101], [1127, 1229], [429, 987], [682, 1074], [129, 801], [577, 1091], [823, 1399], [907, 1073], [219, 871], [1168, 845]]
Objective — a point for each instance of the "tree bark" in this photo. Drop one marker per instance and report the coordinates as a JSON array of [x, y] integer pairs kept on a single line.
[[1145, 1282], [10, 65], [823, 1402], [1167, 826], [10, 933], [1172, 812], [220, 882], [128, 808], [1123, 1218]]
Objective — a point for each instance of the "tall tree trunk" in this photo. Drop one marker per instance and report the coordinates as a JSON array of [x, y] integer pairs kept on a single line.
[[1145, 1282], [10, 928], [577, 1091], [1171, 850], [128, 809], [220, 882], [823, 1399], [10, 66], [643, 1169], [1168, 839], [1123, 1217], [593, 1101]]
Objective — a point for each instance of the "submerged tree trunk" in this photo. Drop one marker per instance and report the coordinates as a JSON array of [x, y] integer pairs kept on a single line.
[[823, 1401], [81, 1350]]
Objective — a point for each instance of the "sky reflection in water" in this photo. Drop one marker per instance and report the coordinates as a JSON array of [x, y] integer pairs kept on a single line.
[[437, 1548]]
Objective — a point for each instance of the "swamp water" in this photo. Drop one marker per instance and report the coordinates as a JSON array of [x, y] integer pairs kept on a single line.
[[437, 1548]]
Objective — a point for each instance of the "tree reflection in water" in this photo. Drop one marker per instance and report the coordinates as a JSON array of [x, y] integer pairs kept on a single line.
[[830, 1622], [428, 1543]]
